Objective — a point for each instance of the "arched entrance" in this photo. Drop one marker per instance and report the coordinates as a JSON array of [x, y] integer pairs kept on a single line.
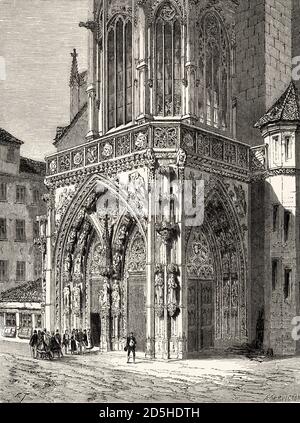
[[101, 276], [201, 291], [135, 271], [215, 272]]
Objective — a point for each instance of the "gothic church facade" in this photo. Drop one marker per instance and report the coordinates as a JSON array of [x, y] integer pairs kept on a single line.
[[172, 197]]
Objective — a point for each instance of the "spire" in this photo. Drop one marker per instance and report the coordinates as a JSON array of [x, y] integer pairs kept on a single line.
[[286, 109], [74, 76]]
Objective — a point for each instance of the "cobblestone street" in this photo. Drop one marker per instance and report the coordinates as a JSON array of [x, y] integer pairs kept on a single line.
[[105, 378]]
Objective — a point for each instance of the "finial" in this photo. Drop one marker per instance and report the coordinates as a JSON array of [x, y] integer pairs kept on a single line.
[[74, 76]]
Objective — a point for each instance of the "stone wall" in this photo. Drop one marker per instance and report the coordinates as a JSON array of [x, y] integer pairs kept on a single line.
[[296, 34], [257, 262], [281, 190], [75, 134], [263, 60]]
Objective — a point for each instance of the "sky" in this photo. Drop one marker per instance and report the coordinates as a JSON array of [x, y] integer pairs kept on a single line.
[[36, 39]]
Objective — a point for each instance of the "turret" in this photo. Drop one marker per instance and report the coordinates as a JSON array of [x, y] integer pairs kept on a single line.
[[280, 130]]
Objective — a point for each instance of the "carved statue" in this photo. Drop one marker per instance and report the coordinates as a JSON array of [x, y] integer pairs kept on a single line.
[[68, 263], [104, 294], [67, 293], [172, 289], [159, 287], [117, 259], [83, 237], [77, 265], [71, 240], [122, 232], [115, 296], [76, 300], [181, 157], [83, 234]]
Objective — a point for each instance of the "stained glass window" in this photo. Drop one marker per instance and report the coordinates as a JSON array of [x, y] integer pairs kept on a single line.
[[119, 59], [168, 62], [213, 72]]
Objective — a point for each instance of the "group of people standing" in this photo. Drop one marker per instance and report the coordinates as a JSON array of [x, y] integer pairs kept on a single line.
[[76, 342], [43, 341]]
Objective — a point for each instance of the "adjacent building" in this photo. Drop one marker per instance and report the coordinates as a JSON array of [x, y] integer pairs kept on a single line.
[[21, 191]]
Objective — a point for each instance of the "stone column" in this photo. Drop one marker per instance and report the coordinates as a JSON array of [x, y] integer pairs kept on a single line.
[[143, 89], [189, 77], [182, 324], [150, 315], [105, 314], [182, 318], [49, 314], [92, 26]]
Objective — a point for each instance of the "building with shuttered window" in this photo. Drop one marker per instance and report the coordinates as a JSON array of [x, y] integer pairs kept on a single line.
[[21, 191]]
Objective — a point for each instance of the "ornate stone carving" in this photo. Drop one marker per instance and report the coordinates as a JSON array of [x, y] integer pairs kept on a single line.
[[165, 137], [199, 258], [67, 300], [137, 193], [91, 155], [90, 25], [159, 284], [104, 298], [137, 254], [188, 141], [167, 231], [181, 158], [167, 12], [49, 199], [173, 288], [64, 199], [98, 259], [141, 140], [64, 163], [123, 145], [238, 197], [53, 166], [77, 266], [67, 267], [116, 299], [76, 307], [77, 159], [107, 150]]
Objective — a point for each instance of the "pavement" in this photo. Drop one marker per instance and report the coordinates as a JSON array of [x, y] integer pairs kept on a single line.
[[107, 378]]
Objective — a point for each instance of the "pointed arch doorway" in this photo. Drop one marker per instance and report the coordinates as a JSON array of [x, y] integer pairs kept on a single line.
[[201, 289], [135, 286]]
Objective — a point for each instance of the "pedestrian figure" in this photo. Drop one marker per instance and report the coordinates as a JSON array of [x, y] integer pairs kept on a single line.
[[66, 341], [34, 343], [76, 339], [89, 337], [85, 340], [57, 343], [58, 337], [80, 339], [47, 338], [73, 345], [130, 347]]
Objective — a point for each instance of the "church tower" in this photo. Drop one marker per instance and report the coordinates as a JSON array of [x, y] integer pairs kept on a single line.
[[280, 130]]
